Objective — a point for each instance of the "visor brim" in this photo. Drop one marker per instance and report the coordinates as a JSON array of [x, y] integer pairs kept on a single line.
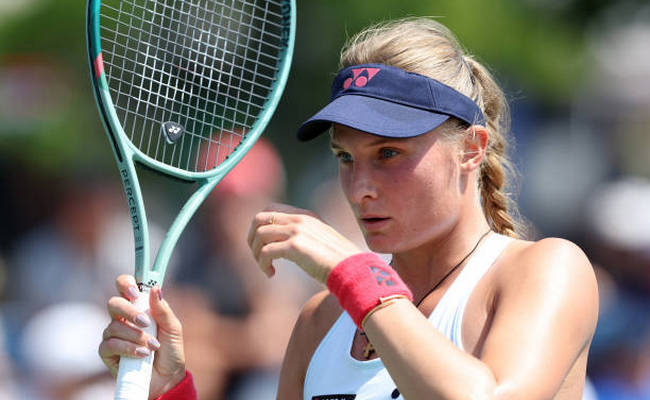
[[372, 115]]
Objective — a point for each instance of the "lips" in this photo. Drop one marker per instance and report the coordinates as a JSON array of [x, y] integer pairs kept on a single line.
[[373, 222]]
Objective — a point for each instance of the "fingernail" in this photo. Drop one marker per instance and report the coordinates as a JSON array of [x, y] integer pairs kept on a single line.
[[143, 320], [134, 293], [160, 297], [143, 351], [153, 342]]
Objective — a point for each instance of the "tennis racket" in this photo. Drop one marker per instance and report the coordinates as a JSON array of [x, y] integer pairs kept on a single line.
[[184, 87]]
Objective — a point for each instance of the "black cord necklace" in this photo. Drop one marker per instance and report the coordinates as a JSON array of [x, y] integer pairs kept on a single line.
[[368, 349]]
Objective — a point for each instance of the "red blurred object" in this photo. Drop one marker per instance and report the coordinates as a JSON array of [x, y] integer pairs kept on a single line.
[[260, 172]]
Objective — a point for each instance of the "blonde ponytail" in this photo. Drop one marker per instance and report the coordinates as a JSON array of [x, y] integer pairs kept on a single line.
[[499, 208]]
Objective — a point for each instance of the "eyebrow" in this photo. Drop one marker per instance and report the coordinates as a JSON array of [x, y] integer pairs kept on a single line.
[[335, 145]]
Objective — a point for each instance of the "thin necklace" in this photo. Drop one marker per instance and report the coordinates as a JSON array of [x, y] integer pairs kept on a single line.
[[368, 349]]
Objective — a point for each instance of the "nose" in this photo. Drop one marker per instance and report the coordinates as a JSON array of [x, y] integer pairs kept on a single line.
[[359, 184]]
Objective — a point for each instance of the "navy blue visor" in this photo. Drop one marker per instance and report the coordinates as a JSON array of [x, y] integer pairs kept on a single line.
[[388, 101]]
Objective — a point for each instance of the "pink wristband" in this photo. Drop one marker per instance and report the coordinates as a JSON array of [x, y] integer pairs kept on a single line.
[[185, 390], [362, 282]]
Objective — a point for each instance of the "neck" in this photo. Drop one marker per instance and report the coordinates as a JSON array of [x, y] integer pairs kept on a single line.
[[423, 267]]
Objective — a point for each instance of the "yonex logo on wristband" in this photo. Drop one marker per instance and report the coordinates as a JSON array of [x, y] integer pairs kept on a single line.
[[359, 78], [382, 277], [364, 282]]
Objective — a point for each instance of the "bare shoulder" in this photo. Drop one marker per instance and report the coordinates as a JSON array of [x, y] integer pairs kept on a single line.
[[544, 305], [549, 258], [553, 268], [316, 318]]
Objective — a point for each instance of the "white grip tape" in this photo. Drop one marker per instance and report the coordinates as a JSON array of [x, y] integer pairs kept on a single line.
[[134, 374]]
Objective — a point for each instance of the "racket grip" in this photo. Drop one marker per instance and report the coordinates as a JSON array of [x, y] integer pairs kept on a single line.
[[134, 374]]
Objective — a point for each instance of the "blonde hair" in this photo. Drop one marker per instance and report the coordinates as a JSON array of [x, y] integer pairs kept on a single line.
[[426, 47]]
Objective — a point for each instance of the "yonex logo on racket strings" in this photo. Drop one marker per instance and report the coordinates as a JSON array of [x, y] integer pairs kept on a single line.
[[382, 277], [172, 131], [359, 78]]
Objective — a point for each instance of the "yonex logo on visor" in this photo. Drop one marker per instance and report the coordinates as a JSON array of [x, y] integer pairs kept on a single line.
[[359, 78], [388, 101]]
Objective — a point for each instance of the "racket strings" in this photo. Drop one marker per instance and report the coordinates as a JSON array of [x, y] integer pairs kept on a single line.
[[147, 55], [209, 66], [140, 101], [186, 36]]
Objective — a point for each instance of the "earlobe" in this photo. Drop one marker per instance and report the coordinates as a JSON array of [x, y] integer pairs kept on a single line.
[[473, 147]]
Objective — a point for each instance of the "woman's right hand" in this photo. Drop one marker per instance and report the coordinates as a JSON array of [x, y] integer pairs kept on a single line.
[[124, 337]]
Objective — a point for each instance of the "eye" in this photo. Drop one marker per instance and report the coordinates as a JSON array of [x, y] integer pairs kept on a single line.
[[385, 153], [343, 157]]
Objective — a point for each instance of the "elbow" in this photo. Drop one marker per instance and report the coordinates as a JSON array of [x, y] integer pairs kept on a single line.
[[487, 387], [483, 387]]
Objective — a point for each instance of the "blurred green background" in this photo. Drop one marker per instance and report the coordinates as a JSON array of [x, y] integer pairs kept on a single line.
[[537, 49]]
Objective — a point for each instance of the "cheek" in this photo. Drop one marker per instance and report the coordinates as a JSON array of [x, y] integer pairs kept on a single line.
[[430, 202], [434, 184], [343, 179], [344, 185]]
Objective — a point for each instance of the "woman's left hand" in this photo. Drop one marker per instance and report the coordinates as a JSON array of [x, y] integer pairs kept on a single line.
[[282, 231]]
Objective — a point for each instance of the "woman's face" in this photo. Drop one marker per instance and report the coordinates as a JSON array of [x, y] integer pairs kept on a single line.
[[404, 192]]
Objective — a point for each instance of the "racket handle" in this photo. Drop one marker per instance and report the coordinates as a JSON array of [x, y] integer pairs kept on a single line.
[[134, 374]]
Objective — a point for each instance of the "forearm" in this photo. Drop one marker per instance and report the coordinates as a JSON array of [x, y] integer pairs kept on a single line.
[[421, 361]]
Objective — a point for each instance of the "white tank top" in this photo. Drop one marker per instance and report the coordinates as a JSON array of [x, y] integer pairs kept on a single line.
[[334, 375]]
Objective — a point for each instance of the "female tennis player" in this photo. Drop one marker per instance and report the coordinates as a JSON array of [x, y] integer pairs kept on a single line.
[[465, 309]]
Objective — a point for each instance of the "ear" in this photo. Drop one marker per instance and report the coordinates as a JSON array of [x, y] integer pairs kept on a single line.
[[473, 148]]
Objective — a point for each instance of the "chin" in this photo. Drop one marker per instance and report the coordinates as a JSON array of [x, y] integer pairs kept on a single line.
[[380, 244]]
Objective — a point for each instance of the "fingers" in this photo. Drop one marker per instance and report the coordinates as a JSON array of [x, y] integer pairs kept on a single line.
[[299, 236], [278, 214], [131, 337], [267, 254], [261, 219], [163, 314], [127, 287], [110, 351], [273, 232], [271, 240], [121, 339], [270, 233], [122, 309], [130, 333]]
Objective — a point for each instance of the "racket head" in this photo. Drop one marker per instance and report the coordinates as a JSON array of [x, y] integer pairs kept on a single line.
[[171, 83], [187, 90]]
